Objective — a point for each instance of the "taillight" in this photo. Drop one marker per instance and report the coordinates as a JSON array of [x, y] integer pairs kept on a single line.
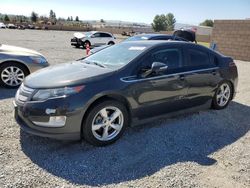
[[232, 64]]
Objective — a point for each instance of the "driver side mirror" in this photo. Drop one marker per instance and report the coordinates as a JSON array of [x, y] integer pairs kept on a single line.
[[156, 68]]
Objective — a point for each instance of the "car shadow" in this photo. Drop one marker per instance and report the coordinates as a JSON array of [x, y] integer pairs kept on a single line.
[[7, 93], [143, 150]]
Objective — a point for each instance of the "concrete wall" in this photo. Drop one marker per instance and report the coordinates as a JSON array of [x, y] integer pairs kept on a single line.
[[233, 38]]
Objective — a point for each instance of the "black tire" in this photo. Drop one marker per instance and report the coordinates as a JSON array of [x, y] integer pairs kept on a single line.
[[77, 46], [87, 123], [215, 102], [84, 44], [111, 43], [13, 64]]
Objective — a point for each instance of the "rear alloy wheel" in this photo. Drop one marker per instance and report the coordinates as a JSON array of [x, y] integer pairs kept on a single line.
[[105, 123], [222, 96], [12, 75]]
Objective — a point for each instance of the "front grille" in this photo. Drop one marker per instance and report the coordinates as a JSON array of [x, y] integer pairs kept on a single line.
[[23, 94]]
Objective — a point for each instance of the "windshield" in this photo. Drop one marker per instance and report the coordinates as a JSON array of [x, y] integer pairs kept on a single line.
[[88, 33], [116, 56]]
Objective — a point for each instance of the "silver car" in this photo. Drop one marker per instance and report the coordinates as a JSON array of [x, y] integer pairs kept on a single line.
[[16, 63]]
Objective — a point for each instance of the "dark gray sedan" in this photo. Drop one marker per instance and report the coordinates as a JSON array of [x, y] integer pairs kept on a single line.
[[16, 63], [98, 97]]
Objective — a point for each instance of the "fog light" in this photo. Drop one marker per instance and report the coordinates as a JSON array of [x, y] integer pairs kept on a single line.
[[54, 121]]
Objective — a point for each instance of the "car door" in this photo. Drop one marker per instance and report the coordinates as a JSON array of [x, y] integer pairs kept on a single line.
[[201, 74], [106, 38], [157, 94], [96, 39]]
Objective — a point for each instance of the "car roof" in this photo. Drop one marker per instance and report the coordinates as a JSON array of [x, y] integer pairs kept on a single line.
[[154, 43], [149, 35]]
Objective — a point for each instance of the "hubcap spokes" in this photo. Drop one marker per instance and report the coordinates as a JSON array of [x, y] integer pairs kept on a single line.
[[107, 123], [223, 95], [12, 76]]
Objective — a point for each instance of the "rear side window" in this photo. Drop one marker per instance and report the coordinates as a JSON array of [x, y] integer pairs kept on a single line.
[[105, 35], [198, 59]]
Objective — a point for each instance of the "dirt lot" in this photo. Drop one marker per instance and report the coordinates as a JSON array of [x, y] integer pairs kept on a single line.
[[205, 149]]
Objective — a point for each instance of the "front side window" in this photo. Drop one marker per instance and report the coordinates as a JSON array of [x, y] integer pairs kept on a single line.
[[97, 35], [172, 57]]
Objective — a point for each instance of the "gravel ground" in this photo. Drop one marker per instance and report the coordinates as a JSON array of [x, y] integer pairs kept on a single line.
[[204, 149]]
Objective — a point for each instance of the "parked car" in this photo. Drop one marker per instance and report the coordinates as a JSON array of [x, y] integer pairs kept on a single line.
[[143, 37], [93, 38], [11, 26], [21, 27], [30, 26], [98, 97], [16, 63], [2, 25]]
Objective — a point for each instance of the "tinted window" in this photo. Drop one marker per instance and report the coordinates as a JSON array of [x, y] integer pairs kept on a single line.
[[198, 58], [172, 57], [97, 35], [105, 35]]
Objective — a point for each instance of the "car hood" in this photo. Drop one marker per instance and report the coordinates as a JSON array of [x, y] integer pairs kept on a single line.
[[67, 74], [18, 50], [79, 35]]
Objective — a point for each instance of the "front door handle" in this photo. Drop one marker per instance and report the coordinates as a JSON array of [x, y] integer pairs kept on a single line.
[[182, 77], [214, 72]]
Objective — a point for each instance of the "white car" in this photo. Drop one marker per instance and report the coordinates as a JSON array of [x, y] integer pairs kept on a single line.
[[2, 25], [93, 38]]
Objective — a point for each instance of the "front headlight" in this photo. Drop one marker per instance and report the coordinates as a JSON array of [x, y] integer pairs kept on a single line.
[[45, 94], [38, 60]]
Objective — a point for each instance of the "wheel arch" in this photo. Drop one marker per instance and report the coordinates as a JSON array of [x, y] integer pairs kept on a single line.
[[232, 85], [15, 61], [116, 97]]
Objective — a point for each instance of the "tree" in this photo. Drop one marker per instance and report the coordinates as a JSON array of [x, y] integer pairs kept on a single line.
[[209, 23], [170, 20], [164, 22], [77, 19], [102, 21], [6, 18], [34, 17], [52, 16], [71, 18], [68, 19], [159, 23]]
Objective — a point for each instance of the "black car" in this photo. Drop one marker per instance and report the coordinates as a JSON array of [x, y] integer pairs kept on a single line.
[[98, 97]]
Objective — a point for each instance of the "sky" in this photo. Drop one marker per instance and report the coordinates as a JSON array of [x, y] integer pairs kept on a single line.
[[185, 11]]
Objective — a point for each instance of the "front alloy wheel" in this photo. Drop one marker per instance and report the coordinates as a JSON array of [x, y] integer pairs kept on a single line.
[[105, 123], [12, 75]]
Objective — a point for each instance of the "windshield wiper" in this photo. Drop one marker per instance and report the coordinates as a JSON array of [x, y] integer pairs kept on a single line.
[[96, 63]]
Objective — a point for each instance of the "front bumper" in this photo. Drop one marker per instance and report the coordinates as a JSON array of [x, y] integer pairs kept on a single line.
[[75, 42], [26, 114]]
